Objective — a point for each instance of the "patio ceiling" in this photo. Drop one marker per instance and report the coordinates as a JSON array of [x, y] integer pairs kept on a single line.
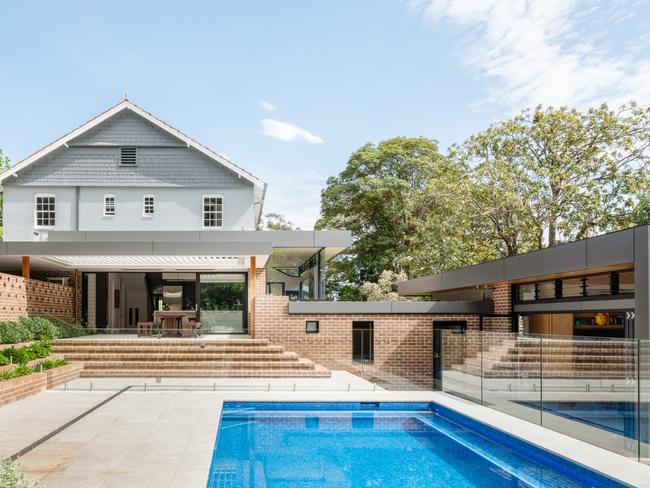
[[149, 263]]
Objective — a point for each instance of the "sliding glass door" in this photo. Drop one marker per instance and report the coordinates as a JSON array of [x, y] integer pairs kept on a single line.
[[222, 303]]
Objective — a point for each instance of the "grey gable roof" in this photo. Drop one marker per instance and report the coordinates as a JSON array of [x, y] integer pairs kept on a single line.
[[125, 106]]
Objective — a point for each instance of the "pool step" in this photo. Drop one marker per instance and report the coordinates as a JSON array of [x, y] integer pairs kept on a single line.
[[218, 358]]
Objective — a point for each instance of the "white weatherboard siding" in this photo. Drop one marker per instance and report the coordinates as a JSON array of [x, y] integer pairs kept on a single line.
[[175, 209], [18, 211]]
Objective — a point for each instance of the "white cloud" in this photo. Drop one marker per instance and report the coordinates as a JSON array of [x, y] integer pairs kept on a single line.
[[296, 196], [288, 132], [268, 106], [546, 51]]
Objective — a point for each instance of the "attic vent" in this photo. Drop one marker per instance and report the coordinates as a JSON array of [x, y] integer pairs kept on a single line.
[[127, 156]]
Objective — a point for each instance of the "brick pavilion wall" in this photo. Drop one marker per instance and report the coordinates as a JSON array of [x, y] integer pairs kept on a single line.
[[403, 343], [32, 297]]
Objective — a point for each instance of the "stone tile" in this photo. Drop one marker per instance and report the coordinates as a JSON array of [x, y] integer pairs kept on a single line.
[[190, 479], [83, 478], [140, 478]]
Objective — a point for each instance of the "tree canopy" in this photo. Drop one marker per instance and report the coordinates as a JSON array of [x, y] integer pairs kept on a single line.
[[550, 175], [276, 221], [545, 176]]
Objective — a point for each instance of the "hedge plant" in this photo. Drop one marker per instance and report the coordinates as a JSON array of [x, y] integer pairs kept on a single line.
[[16, 372], [25, 354], [39, 328]]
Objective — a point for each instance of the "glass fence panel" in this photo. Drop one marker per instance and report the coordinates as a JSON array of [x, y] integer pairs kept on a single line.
[[589, 391], [644, 401], [459, 364], [511, 374]]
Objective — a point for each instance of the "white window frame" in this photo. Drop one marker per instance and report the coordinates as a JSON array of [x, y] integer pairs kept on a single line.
[[203, 212], [36, 197], [105, 213], [144, 205]]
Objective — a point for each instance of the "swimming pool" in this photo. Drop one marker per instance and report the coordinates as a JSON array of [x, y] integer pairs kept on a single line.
[[622, 418], [387, 444]]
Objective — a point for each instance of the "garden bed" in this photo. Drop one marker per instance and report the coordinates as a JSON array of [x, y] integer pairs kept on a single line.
[[31, 384]]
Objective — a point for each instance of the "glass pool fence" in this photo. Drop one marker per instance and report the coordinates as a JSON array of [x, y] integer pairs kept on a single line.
[[593, 389]]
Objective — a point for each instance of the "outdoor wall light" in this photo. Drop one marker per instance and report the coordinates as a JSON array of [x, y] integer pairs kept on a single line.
[[311, 326]]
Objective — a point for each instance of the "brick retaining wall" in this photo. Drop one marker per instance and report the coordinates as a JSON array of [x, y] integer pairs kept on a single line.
[[20, 296], [17, 388]]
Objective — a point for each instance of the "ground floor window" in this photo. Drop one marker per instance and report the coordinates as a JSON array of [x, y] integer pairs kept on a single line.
[[363, 348]]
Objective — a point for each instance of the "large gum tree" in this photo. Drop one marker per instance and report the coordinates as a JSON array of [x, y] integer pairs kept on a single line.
[[557, 174]]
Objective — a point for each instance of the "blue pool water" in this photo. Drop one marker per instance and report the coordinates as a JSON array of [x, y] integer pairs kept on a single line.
[[617, 417], [387, 445]]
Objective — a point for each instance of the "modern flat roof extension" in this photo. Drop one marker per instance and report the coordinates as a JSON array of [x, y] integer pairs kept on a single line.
[[616, 249]]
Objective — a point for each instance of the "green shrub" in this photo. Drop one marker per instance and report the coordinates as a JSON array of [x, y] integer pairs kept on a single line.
[[13, 332], [4, 360], [53, 363], [22, 355], [11, 477], [67, 329], [16, 372], [40, 327]]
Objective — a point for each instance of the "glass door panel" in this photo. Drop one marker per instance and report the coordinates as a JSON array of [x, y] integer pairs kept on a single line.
[[222, 305]]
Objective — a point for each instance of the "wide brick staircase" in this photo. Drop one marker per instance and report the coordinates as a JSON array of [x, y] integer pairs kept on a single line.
[[211, 358], [563, 359]]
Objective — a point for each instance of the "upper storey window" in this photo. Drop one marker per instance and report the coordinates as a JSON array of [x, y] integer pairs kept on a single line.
[[212, 211], [128, 156], [109, 205], [44, 211], [148, 206]]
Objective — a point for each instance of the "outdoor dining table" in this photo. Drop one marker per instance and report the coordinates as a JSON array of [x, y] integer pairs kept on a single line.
[[171, 321]]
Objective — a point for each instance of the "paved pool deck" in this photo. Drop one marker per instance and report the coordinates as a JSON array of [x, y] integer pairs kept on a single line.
[[166, 438]]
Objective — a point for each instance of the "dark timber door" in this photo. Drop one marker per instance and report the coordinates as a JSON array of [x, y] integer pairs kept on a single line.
[[363, 342], [456, 326]]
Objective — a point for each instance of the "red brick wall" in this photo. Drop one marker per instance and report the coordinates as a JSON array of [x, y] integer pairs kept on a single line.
[[20, 297], [17, 388], [402, 342], [74, 280]]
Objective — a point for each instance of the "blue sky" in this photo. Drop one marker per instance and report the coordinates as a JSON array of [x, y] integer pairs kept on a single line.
[[289, 89]]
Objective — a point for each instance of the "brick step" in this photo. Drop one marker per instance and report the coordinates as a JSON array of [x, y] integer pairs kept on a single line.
[[535, 345], [164, 342], [170, 373], [209, 365], [526, 362], [195, 356], [607, 375], [186, 349]]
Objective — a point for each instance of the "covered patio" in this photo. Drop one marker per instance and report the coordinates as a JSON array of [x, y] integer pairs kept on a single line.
[[176, 283]]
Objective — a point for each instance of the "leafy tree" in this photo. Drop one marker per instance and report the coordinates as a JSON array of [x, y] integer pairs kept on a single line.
[[385, 289], [642, 213], [4, 165], [276, 221], [557, 174], [392, 196]]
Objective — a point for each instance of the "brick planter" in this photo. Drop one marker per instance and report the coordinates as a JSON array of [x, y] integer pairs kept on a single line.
[[17, 388]]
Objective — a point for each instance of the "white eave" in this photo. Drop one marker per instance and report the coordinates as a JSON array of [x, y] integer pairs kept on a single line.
[[126, 104]]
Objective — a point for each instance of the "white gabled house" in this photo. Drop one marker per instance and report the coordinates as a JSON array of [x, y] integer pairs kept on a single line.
[[127, 170], [145, 218]]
